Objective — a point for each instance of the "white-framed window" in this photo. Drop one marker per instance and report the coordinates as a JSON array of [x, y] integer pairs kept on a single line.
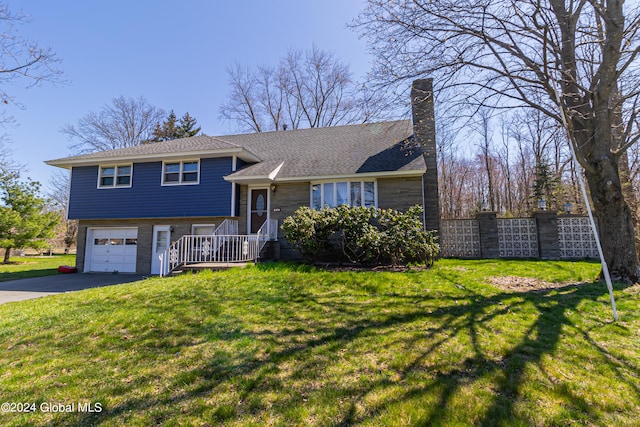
[[202, 229], [115, 176], [186, 172], [337, 193]]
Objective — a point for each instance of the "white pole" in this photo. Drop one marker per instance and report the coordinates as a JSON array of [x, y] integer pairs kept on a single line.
[[605, 269]]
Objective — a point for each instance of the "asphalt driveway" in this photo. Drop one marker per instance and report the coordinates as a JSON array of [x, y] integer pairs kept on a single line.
[[18, 290]]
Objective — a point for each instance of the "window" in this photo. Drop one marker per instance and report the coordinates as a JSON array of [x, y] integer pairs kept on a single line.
[[352, 193], [115, 176], [203, 229], [176, 173]]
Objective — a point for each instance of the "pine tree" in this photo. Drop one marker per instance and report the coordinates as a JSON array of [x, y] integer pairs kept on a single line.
[[171, 128], [187, 127], [546, 184], [166, 130]]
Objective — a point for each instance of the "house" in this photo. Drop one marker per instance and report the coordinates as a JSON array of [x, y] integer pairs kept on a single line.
[[134, 203]]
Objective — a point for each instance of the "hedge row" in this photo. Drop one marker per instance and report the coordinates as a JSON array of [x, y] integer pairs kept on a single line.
[[362, 235]]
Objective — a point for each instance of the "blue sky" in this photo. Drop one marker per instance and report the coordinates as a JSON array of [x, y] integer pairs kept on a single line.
[[173, 53]]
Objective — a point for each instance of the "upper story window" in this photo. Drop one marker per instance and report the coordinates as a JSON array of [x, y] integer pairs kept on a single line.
[[352, 193], [185, 172], [115, 176]]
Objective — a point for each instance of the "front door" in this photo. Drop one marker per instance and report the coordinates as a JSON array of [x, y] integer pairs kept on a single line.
[[258, 208], [161, 241]]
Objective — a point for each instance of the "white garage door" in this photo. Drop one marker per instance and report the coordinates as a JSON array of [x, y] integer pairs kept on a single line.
[[112, 249]]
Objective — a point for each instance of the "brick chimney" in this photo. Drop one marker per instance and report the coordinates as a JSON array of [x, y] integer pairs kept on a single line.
[[424, 128]]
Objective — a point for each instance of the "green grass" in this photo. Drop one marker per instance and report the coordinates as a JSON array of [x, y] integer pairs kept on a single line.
[[286, 345], [25, 267]]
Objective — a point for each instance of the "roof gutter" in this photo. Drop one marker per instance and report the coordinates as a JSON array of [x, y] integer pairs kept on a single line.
[[70, 162], [268, 178]]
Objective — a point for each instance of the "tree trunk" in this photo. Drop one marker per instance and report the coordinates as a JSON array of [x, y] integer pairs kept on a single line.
[[7, 254], [615, 221], [630, 195]]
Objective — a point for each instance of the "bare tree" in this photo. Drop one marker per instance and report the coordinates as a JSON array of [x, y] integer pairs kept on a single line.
[[21, 59], [126, 122], [307, 89], [58, 194], [21, 62], [505, 163], [7, 165], [453, 172], [576, 62], [485, 154]]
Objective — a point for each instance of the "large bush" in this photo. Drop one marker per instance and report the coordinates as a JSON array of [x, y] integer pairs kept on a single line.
[[362, 235], [308, 230]]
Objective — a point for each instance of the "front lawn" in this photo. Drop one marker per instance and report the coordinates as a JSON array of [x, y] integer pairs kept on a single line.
[[285, 345], [25, 267]]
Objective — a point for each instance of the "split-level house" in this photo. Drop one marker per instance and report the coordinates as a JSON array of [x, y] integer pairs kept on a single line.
[[149, 208]]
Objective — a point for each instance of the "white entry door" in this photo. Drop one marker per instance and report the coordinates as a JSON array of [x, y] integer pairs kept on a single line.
[[161, 241]]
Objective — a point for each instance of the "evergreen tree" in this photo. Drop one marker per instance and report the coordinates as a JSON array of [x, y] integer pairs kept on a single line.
[[166, 130], [171, 128], [546, 185], [24, 221], [188, 127]]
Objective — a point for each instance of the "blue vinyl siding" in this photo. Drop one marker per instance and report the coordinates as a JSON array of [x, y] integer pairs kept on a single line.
[[147, 198]]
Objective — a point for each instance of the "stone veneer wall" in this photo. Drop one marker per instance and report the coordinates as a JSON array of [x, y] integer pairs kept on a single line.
[[396, 193], [400, 193]]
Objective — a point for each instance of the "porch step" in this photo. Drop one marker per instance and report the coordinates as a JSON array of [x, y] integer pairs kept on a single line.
[[270, 251]]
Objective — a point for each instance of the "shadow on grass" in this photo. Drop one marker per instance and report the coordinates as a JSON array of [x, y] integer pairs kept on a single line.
[[16, 275], [325, 326]]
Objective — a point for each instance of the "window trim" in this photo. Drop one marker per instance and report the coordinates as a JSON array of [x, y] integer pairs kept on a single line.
[[335, 191], [194, 226], [180, 173], [115, 175]]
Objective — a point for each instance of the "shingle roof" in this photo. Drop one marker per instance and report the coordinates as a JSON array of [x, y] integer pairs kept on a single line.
[[201, 143], [318, 152], [339, 150]]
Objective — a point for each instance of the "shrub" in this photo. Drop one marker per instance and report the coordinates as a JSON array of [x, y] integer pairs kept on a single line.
[[356, 236], [403, 238], [308, 230], [362, 235]]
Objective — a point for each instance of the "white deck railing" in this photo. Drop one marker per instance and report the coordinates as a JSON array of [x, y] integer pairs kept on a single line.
[[269, 229], [225, 245]]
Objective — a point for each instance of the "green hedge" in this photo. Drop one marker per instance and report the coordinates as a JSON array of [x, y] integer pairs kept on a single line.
[[362, 235]]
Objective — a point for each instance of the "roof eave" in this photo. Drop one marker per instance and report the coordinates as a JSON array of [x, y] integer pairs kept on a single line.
[[267, 179], [241, 153]]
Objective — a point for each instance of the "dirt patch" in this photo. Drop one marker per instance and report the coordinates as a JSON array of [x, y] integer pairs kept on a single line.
[[525, 284], [634, 289], [357, 267]]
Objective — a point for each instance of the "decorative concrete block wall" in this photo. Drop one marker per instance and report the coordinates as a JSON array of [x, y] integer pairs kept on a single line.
[[460, 238], [545, 235]]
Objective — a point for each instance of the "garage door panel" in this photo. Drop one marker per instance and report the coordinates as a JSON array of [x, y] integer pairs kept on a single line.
[[101, 234], [100, 251], [130, 251], [113, 249]]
